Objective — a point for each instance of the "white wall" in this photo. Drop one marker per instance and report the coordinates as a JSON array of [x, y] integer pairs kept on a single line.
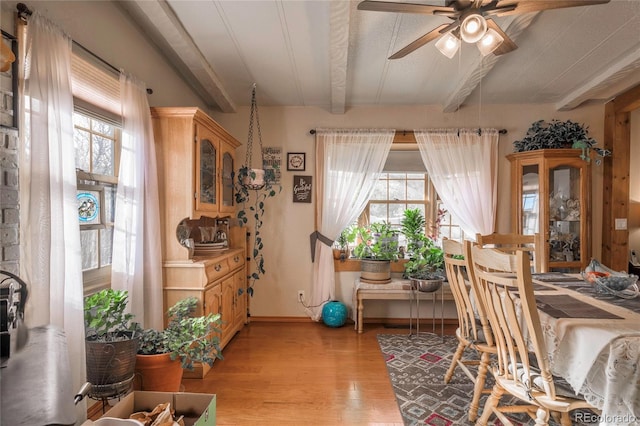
[[287, 225], [104, 29]]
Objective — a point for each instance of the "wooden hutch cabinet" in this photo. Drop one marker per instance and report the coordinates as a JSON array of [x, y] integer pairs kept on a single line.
[[196, 160], [551, 195]]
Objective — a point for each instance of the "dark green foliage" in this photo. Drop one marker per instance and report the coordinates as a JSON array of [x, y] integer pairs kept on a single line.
[[557, 134], [254, 201]]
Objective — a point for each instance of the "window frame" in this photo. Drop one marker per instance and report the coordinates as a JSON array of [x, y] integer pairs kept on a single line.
[[99, 278]]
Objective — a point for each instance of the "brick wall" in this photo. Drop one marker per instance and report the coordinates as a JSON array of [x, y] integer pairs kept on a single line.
[[9, 201]]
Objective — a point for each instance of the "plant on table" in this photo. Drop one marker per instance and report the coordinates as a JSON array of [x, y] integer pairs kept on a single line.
[[378, 241]]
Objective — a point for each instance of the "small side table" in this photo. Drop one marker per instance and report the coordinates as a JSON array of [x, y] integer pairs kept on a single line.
[[434, 297]]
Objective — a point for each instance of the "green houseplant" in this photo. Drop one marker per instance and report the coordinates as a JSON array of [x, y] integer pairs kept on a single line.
[[377, 247], [111, 342], [252, 201], [556, 134], [426, 267], [186, 340], [412, 227], [341, 244]]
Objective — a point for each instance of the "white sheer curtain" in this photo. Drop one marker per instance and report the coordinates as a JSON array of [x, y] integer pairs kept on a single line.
[[49, 229], [348, 164], [136, 265], [463, 166]]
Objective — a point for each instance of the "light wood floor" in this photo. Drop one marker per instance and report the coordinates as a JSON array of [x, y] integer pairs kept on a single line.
[[302, 374]]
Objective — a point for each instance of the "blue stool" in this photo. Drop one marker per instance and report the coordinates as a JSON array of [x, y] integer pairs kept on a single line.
[[334, 313]]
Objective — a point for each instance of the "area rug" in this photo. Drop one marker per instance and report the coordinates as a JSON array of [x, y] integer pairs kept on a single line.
[[417, 365]]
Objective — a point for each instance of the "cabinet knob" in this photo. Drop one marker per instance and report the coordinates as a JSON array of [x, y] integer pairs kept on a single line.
[[218, 267], [236, 259]]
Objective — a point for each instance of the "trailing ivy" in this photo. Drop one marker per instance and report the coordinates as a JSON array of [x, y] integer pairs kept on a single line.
[[253, 207]]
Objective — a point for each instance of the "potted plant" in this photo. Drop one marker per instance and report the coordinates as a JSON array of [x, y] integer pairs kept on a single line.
[[163, 354], [412, 227], [111, 342], [425, 269], [556, 134], [341, 245], [252, 206], [378, 246]]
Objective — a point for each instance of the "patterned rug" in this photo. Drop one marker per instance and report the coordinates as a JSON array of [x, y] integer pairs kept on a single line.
[[417, 365]]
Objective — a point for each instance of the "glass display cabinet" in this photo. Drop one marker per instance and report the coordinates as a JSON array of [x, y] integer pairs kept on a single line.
[[551, 192]]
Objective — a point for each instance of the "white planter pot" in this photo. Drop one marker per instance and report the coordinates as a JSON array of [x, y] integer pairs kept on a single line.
[[254, 179]]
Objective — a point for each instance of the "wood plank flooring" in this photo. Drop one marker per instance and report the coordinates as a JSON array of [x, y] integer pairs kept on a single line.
[[302, 373]]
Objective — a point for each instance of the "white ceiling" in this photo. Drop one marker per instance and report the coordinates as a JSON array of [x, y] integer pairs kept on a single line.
[[326, 53]]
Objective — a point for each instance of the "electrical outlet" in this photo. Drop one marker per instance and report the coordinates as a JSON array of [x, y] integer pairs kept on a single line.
[[301, 296]]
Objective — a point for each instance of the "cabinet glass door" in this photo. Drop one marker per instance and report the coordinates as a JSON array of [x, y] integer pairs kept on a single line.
[[227, 180], [206, 197], [564, 214], [530, 199]]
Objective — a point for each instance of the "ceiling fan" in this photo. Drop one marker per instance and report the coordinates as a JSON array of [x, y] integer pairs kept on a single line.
[[471, 22]]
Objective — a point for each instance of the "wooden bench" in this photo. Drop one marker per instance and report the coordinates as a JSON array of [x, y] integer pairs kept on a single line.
[[397, 289]]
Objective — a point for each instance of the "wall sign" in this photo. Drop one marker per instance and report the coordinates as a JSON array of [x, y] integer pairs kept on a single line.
[[296, 161], [302, 189]]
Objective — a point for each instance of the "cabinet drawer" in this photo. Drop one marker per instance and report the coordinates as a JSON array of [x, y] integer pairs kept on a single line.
[[216, 269], [236, 260]]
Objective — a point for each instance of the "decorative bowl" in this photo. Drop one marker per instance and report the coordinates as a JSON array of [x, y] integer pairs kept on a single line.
[[616, 282]]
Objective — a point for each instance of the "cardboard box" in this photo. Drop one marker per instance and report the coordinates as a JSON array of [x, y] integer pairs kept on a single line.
[[199, 409]]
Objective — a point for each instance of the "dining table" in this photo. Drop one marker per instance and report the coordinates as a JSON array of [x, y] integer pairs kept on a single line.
[[593, 342]]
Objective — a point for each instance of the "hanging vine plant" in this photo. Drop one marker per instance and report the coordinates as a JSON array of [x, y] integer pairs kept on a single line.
[[253, 187], [556, 134]]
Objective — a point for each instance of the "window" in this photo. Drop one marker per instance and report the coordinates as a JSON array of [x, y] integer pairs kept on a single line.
[[97, 147], [411, 188]]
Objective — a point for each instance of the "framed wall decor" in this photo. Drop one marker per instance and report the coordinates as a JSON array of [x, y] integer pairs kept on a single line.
[[296, 161], [302, 189]]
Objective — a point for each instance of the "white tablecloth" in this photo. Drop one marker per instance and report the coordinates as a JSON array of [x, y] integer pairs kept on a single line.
[[600, 358]]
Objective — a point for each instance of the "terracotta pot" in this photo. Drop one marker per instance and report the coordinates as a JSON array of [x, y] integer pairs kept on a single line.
[[157, 373]]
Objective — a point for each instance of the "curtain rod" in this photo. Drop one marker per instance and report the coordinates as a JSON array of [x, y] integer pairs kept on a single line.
[[24, 11], [404, 132]]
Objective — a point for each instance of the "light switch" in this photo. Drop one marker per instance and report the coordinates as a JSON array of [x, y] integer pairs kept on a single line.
[[621, 224]]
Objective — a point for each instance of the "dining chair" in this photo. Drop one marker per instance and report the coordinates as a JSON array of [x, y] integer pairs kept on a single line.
[[473, 330], [511, 243], [522, 369]]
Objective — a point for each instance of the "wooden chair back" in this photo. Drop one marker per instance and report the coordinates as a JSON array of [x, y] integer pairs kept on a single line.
[[512, 243], [472, 316], [514, 335]]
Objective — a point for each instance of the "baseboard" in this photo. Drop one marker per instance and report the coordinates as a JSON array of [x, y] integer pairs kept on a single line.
[[281, 319], [367, 320]]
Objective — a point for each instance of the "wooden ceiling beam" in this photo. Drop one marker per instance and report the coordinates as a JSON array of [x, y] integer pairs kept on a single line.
[[628, 101]]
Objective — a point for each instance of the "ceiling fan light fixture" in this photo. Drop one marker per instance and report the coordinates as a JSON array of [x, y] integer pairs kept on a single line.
[[473, 28], [490, 42], [448, 44]]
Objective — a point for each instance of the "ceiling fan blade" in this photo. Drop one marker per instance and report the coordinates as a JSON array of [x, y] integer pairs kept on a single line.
[[385, 6], [526, 6], [431, 35], [507, 44]]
